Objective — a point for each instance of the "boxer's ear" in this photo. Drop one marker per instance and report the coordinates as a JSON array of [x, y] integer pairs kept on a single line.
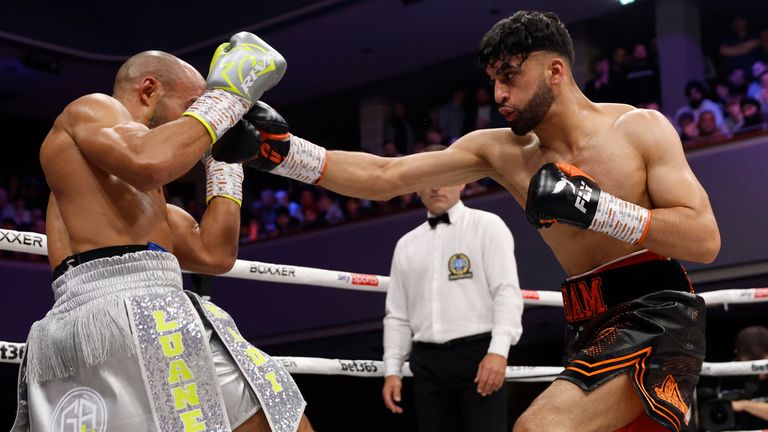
[[557, 70], [149, 88]]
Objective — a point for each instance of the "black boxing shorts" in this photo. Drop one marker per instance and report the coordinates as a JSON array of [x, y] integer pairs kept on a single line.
[[637, 315]]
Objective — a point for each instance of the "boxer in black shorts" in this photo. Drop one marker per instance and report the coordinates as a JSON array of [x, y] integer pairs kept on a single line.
[[602, 182], [637, 315]]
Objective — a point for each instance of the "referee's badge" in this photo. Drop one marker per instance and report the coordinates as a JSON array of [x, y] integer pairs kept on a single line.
[[459, 266]]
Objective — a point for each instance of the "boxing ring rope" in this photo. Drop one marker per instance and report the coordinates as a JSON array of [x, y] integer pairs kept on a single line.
[[35, 243]]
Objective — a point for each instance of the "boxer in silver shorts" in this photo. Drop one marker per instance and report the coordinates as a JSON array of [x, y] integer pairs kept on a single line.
[[124, 347]]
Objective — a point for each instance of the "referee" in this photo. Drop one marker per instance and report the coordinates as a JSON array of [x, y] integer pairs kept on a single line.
[[453, 304]]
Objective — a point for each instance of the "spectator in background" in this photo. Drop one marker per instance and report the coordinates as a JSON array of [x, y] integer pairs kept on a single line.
[[722, 94], [7, 211], [35, 192], [352, 209], [307, 200], [9, 224], [737, 81], [312, 219], [329, 209], [697, 103], [687, 126], [451, 115], [250, 230], [35, 215], [752, 344], [753, 119], [409, 200], [23, 215], [709, 133], [735, 119], [619, 66], [642, 77], [760, 92], [738, 48], [284, 200], [758, 69], [601, 88], [398, 131], [266, 209], [39, 226], [284, 222], [482, 115]]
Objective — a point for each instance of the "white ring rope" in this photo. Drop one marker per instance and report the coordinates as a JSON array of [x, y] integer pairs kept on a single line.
[[12, 353], [34, 243]]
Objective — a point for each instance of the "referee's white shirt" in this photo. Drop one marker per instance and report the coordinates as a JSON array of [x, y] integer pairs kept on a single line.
[[456, 280]]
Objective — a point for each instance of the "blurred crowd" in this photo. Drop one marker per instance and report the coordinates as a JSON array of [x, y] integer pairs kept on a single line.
[[730, 100], [23, 199], [734, 100]]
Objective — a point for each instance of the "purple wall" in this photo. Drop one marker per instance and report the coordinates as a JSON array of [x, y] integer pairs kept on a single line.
[[734, 176], [736, 179]]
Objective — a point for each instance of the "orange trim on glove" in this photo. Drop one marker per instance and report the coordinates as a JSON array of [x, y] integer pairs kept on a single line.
[[572, 170]]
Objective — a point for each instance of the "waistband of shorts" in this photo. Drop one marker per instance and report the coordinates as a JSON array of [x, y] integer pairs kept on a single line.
[[637, 257], [93, 254], [116, 276], [590, 294], [456, 342]]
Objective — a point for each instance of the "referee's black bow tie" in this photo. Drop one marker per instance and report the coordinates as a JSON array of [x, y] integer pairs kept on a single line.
[[433, 221]]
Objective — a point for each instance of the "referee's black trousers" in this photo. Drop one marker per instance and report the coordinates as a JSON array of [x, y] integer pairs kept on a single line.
[[445, 393]]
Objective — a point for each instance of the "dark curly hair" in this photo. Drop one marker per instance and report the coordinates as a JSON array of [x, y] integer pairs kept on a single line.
[[523, 33]]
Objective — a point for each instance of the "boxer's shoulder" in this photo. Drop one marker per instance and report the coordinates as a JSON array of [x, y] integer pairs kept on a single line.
[[95, 110], [638, 117], [94, 104], [646, 129]]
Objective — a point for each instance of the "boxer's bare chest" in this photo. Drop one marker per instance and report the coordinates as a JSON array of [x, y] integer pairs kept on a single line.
[[611, 160]]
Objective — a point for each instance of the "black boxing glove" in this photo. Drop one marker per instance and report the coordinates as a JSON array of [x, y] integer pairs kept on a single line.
[[561, 192], [262, 141]]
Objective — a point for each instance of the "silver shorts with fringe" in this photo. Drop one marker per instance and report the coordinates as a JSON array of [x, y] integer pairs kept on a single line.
[[82, 371]]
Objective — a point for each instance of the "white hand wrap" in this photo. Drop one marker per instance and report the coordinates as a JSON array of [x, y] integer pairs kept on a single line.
[[224, 180], [304, 162], [621, 219], [218, 111]]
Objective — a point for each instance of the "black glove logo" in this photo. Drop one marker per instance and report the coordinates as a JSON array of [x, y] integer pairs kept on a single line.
[[581, 198], [585, 193], [560, 185]]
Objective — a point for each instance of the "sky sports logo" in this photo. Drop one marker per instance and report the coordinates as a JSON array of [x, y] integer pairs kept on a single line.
[[364, 279]]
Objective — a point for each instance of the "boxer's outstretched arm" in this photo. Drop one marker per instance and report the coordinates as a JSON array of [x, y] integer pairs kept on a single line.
[[682, 224], [108, 137], [211, 246], [372, 177]]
